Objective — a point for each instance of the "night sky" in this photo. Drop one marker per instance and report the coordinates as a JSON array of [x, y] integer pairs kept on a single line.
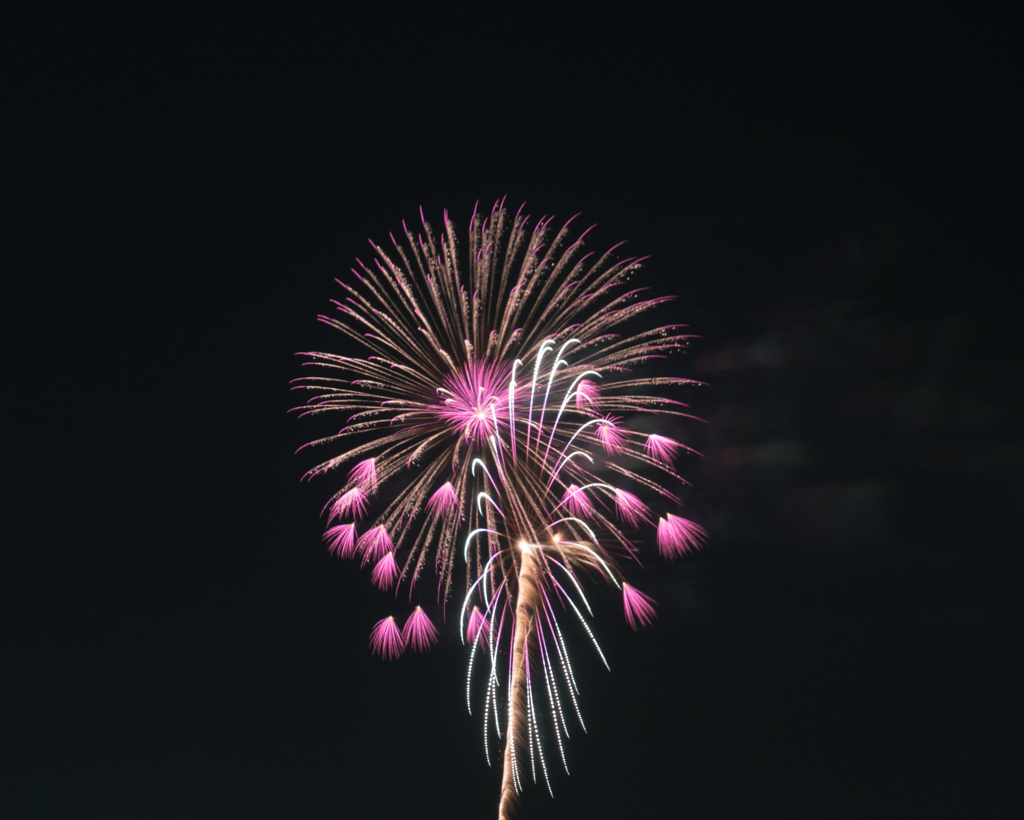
[[835, 198]]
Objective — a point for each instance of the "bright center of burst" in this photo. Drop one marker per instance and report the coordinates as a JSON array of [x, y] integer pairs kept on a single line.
[[473, 398]]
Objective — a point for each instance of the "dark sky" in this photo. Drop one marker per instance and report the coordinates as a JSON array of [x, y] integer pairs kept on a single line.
[[834, 197]]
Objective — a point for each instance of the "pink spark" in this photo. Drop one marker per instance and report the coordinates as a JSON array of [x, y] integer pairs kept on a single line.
[[374, 543], [611, 435], [677, 536], [586, 395], [386, 639], [478, 628], [341, 540], [474, 395], [638, 607], [444, 502], [419, 632], [351, 503], [576, 501], [630, 508], [661, 448], [365, 475], [385, 572]]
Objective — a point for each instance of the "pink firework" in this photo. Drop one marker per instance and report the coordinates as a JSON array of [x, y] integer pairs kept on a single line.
[[444, 503], [662, 449], [386, 571], [611, 435], [450, 341], [630, 508], [374, 544], [576, 502], [638, 607], [386, 639], [351, 503], [484, 423], [365, 475], [341, 540], [677, 536], [419, 633], [586, 395]]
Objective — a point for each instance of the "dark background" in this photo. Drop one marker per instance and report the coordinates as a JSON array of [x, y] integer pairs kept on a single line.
[[835, 198]]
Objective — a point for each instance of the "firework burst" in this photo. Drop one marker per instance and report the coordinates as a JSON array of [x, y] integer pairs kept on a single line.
[[485, 427]]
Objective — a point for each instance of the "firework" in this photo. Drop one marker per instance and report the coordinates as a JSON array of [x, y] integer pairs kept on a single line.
[[486, 426]]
